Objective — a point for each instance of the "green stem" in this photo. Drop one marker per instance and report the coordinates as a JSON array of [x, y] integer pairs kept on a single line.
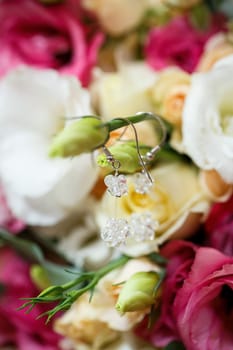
[[113, 265], [100, 274], [66, 294], [118, 123]]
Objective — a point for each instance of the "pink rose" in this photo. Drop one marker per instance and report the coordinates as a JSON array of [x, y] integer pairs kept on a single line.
[[46, 37], [7, 220], [203, 306], [196, 302], [178, 43], [180, 255], [16, 327], [219, 227]]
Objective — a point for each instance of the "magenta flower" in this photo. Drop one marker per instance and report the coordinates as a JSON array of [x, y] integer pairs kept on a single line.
[[203, 306], [178, 44], [46, 37], [16, 327], [180, 255], [219, 227], [7, 220], [196, 303]]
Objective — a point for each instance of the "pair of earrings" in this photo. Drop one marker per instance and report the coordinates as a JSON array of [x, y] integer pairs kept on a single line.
[[117, 184], [140, 226]]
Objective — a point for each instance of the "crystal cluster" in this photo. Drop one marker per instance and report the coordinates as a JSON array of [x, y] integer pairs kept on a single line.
[[115, 232], [142, 183], [142, 226], [116, 184]]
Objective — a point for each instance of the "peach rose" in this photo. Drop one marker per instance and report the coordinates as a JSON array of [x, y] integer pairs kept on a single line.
[[216, 48], [169, 93]]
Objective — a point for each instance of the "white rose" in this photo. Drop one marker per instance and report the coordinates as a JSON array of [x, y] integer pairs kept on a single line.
[[33, 107], [208, 120]]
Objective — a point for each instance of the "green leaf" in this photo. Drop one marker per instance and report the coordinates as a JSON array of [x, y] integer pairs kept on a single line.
[[200, 17], [169, 154], [175, 346], [27, 249], [57, 274]]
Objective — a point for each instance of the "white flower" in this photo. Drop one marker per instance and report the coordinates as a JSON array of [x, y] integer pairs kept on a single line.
[[33, 107], [208, 120]]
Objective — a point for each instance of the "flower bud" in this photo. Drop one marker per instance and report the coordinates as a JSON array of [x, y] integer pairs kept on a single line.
[[138, 292], [127, 154], [82, 136], [39, 277]]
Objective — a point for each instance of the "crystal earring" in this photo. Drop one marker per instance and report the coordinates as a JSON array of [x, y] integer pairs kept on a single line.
[[143, 180], [143, 226], [116, 230], [116, 184]]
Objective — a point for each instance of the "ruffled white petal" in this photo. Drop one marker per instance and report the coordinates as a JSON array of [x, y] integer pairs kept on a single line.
[[33, 107], [205, 138]]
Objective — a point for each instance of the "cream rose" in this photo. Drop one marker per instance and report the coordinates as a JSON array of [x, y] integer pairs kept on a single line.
[[122, 93], [208, 120], [117, 16], [126, 341], [176, 201], [33, 107], [97, 323]]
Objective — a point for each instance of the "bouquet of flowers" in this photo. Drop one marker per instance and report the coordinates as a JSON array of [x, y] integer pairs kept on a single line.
[[116, 174]]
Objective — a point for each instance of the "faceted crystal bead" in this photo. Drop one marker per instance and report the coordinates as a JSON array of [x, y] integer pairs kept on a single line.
[[115, 232], [142, 183], [116, 184], [143, 226]]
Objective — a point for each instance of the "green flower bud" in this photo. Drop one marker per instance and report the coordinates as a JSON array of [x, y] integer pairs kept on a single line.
[[138, 292], [39, 277], [82, 136], [127, 154]]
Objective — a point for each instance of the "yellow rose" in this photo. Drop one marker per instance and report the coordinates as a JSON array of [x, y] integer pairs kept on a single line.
[[217, 48], [168, 94], [176, 201], [97, 323]]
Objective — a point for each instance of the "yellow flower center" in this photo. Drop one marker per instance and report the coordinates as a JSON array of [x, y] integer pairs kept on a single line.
[[226, 115], [157, 201]]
